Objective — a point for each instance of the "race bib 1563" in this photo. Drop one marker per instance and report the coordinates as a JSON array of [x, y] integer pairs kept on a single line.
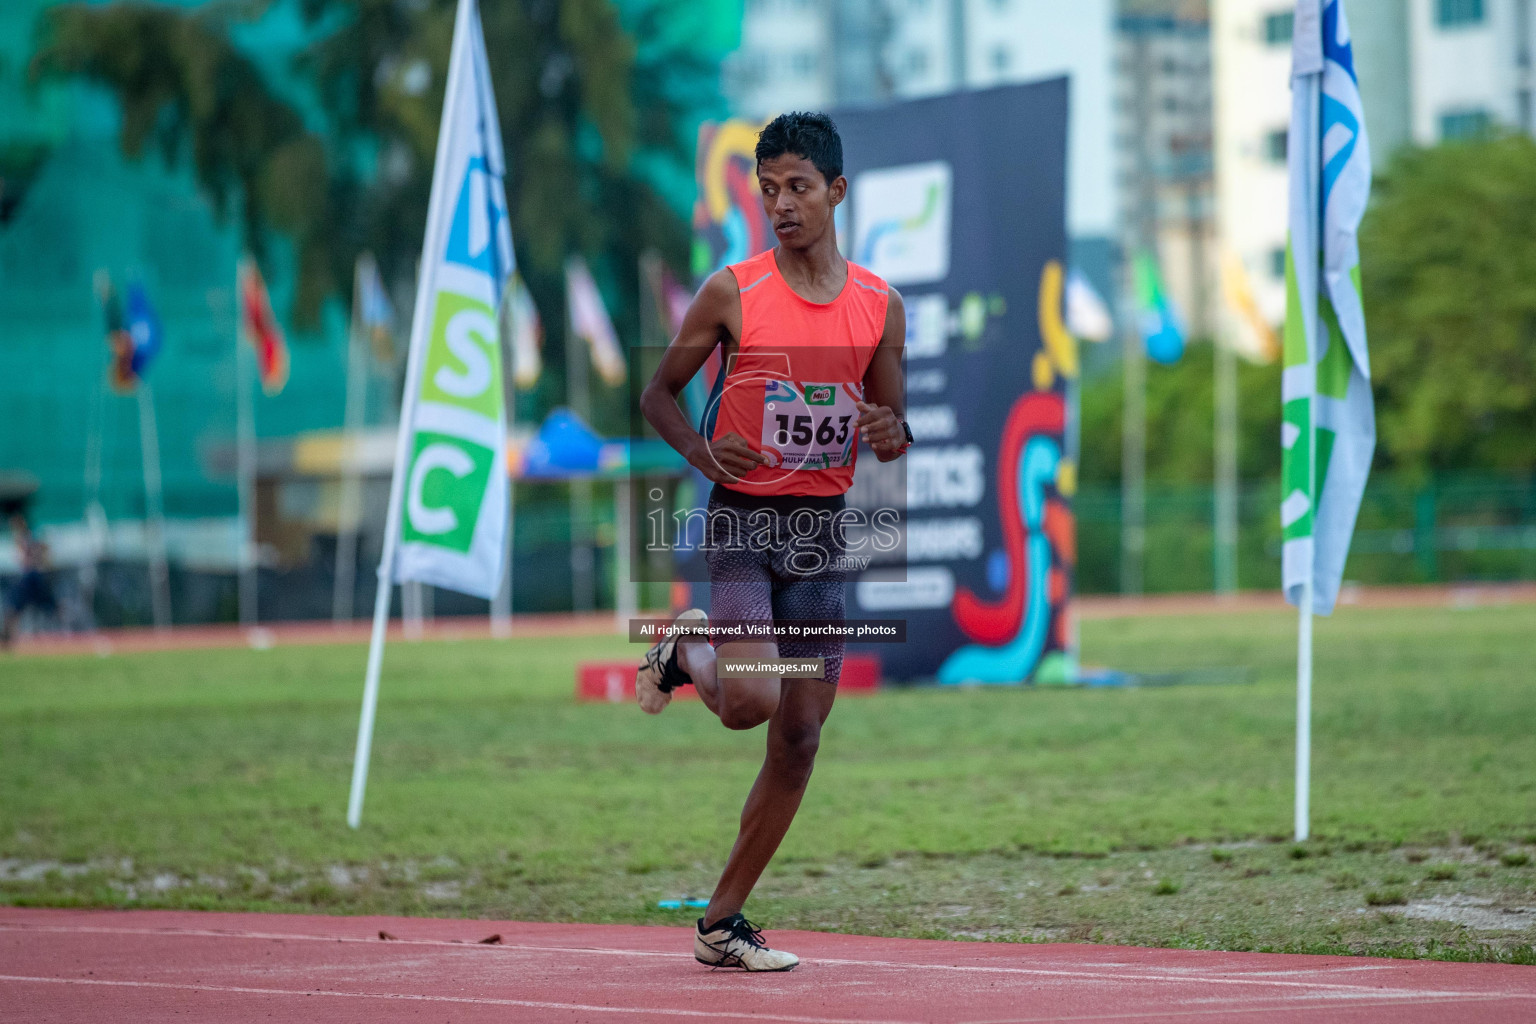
[[810, 426]]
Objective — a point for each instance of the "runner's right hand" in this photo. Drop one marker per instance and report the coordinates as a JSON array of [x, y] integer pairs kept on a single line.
[[727, 459]]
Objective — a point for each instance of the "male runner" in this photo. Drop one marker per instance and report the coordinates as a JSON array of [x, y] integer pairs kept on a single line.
[[812, 358]]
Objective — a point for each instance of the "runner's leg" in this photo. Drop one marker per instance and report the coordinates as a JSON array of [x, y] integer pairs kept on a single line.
[[794, 733], [742, 702]]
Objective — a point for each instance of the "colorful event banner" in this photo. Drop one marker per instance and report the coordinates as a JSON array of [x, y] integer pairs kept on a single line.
[[959, 202], [1254, 337], [452, 461]]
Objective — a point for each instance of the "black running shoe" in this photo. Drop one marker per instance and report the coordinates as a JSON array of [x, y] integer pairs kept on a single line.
[[660, 673]]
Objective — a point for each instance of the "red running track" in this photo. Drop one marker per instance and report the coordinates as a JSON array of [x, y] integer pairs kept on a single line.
[[103, 965]]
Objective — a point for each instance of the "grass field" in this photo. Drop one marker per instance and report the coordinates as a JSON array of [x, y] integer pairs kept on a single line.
[[218, 779]]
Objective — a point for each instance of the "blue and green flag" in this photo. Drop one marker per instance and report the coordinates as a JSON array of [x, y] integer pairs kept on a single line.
[[133, 334], [452, 462], [1162, 330], [1329, 427]]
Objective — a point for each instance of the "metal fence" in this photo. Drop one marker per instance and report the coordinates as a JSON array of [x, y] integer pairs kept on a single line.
[[1461, 528], [1451, 529]]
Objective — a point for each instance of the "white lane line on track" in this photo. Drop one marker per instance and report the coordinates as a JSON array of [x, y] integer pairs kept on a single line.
[[1193, 977], [1230, 1011], [1225, 1011], [1179, 976], [533, 1004], [1394, 966]]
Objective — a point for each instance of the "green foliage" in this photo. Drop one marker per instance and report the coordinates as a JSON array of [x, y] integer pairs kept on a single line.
[[1181, 403], [1448, 263], [19, 164], [579, 105], [186, 90], [1448, 270]]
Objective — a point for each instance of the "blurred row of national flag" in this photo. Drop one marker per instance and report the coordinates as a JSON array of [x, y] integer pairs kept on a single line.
[[1158, 321], [135, 334]]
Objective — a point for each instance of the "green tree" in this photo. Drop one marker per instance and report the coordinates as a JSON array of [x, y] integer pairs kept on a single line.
[[1448, 263], [579, 102], [184, 88], [1181, 403], [20, 161], [1448, 267]]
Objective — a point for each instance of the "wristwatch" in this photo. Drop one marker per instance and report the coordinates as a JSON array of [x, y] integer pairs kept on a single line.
[[908, 432]]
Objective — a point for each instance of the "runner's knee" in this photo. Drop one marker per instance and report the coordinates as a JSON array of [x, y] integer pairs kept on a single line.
[[743, 718], [794, 746], [744, 707]]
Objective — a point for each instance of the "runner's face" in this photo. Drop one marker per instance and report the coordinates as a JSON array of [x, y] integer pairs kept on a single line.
[[798, 200]]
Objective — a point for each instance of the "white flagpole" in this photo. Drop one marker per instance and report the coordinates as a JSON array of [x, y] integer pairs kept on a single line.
[[583, 585], [626, 593], [375, 662], [94, 514], [154, 510], [501, 605], [245, 446], [1226, 493], [411, 610], [351, 485], [1133, 455], [1312, 83], [425, 285]]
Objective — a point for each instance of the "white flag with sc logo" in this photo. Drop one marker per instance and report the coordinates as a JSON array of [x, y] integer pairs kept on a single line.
[[452, 459]]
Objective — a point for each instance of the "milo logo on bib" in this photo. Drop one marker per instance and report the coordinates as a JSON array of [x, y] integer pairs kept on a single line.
[[809, 426]]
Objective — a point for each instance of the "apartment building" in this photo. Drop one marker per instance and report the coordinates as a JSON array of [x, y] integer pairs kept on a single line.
[[1165, 175], [1430, 71], [799, 54], [1471, 67]]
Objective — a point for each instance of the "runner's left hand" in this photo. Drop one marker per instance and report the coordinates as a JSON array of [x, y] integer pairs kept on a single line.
[[880, 428]]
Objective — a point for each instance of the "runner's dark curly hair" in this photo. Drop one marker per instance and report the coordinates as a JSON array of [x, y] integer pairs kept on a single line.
[[810, 136]]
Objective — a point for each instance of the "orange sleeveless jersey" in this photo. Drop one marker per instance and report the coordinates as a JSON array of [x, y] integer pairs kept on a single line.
[[790, 388]]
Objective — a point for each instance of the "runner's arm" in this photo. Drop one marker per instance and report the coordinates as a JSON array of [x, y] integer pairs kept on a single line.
[[884, 390], [711, 317]]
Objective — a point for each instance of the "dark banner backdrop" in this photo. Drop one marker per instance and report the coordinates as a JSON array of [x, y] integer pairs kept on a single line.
[[959, 202]]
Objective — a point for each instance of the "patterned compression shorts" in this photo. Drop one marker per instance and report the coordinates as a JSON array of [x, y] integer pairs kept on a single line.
[[799, 578]]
